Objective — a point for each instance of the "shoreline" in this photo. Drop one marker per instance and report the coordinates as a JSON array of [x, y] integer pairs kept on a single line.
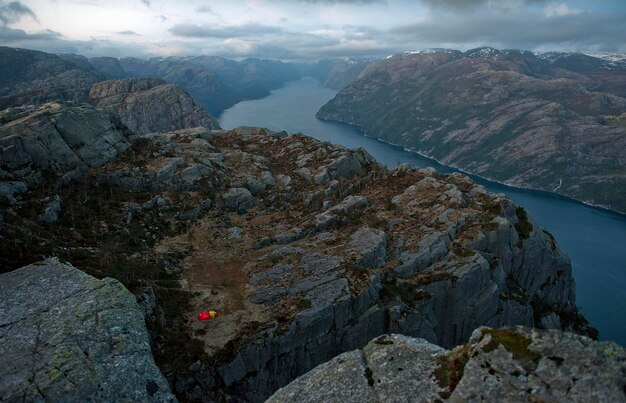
[[474, 175]]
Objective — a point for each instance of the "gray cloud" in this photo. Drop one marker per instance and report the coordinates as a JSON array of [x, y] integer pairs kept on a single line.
[[14, 11], [53, 42], [128, 32], [237, 31], [8, 35], [343, 1], [204, 9], [362, 32], [146, 2], [525, 31], [460, 24], [473, 4]]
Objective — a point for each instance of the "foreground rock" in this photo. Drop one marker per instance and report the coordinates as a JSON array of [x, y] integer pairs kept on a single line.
[[496, 365], [150, 105], [66, 336]]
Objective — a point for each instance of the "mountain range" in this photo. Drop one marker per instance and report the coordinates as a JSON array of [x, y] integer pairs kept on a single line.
[[554, 122]]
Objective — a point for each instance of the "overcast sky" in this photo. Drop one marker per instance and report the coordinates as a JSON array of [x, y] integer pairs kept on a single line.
[[308, 29]]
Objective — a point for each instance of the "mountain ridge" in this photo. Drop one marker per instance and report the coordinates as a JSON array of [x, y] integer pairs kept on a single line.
[[509, 117]]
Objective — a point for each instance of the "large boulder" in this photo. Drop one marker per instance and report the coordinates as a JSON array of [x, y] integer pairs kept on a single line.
[[496, 365], [67, 336], [369, 246], [63, 138], [147, 105], [59, 137]]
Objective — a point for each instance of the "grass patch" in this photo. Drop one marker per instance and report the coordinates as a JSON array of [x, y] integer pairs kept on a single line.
[[523, 226], [392, 289], [433, 277], [462, 252], [515, 343], [450, 369], [304, 304], [383, 341]]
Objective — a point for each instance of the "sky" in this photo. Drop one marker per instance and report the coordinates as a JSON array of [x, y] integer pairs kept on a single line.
[[308, 29]]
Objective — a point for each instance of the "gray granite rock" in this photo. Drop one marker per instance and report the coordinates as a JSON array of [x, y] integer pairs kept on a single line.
[[370, 247], [329, 217], [520, 364], [339, 380], [52, 211], [238, 199], [194, 213], [66, 336], [235, 233], [59, 137]]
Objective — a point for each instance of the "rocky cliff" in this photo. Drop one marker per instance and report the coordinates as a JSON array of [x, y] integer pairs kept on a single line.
[[306, 249], [66, 336], [150, 105], [496, 365], [505, 115], [32, 77]]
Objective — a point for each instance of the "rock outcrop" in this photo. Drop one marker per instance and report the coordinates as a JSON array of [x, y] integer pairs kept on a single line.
[[66, 336], [32, 77], [306, 249], [496, 365], [62, 138], [505, 115], [150, 105]]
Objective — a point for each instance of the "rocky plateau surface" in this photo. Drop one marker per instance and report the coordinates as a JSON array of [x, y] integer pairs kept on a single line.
[[306, 249], [497, 365], [508, 115]]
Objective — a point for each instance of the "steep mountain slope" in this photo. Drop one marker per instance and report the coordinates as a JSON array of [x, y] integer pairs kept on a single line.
[[337, 73], [32, 77], [606, 75], [150, 105], [505, 115], [109, 66]]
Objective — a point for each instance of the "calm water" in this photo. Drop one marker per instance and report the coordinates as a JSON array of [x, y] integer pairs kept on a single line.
[[594, 239]]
